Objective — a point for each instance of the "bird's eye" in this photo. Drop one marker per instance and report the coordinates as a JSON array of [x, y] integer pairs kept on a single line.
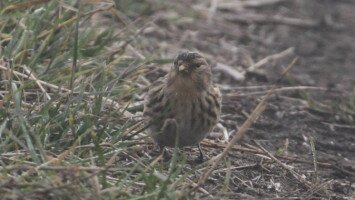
[[196, 65]]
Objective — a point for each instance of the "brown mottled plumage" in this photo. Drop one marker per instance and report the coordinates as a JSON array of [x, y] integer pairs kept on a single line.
[[184, 105]]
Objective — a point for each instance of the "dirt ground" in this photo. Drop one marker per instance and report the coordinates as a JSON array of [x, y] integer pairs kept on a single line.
[[321, 35]]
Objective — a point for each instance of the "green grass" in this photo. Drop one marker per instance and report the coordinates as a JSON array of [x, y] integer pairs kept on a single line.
[[67, 140]]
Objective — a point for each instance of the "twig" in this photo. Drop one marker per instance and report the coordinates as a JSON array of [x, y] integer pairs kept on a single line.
[[199, 188], [131, 129], [30, 73], [266, 87], [250, 3], [212, 10], [136, 52], [240, 76], [239, 135], [289, 169], [313, 187], [264, 19], [59, 158], [54, 168], [238, 168], [2, 92], [236, 75], [278, 90], [317, 188], [107, 101], [69, 184], [211, 143], [314, 155], [23, 5], [339, 125], [40, 81], [252, 87], [270, 58]]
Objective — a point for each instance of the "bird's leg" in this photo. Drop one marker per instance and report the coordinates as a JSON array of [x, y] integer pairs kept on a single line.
[[161, 149], [170, 127], [200, 157], [162, 152]]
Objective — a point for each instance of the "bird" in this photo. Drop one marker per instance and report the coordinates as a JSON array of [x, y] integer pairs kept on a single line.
[[183, 107]]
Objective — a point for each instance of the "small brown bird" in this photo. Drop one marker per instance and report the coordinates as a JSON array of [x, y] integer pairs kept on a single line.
[[183, 107]]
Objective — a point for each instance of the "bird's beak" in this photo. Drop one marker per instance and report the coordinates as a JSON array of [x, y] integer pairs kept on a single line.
[[182, 68]]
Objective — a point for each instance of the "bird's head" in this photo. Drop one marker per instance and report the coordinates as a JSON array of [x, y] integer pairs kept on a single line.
[[191, 70]]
